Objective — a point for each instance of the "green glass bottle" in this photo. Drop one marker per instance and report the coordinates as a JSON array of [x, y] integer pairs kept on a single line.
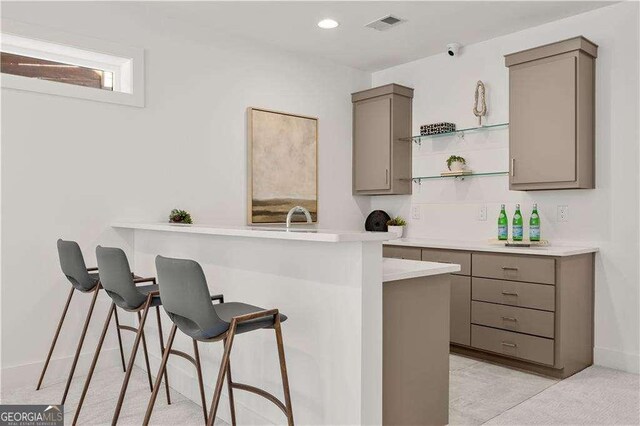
[[503, 224], [534, 224], [517, 224]]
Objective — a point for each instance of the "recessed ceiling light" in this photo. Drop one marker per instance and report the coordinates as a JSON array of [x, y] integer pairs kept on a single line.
[[327, 24]]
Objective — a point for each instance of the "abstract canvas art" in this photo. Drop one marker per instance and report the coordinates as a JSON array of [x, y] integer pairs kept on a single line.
[[283, 165]]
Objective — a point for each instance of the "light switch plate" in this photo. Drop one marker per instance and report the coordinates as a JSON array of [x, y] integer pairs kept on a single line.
[[415, 212], [563, 213], [482, 213]]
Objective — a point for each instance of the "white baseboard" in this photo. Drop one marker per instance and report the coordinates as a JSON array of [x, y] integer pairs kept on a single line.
[[27, 374], [617, 359]]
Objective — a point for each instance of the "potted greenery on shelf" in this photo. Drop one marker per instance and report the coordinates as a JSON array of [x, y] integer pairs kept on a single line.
[[456, 163], [180, 216], [396, 226]]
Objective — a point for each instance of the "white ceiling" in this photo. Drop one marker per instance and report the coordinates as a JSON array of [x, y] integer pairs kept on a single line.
[[431, 25]]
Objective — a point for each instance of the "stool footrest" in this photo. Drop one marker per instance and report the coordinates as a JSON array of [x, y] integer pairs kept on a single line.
[[262, 393], [126, 327], [184, 355]]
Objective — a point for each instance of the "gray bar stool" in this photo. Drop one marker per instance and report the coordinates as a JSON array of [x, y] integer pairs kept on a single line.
[[85, 280], [186, 299], [120, 285]]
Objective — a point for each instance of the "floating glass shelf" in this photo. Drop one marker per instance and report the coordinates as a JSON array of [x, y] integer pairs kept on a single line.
[[460, 132], [419, 179]]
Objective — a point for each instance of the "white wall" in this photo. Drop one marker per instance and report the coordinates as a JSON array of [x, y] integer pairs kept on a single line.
[[606, 216], [71, 167]]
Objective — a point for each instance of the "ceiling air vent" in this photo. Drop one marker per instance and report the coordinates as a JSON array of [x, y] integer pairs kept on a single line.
[[386, 22]]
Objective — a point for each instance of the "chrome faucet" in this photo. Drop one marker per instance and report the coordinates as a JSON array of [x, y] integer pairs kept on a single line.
[[298, 209]]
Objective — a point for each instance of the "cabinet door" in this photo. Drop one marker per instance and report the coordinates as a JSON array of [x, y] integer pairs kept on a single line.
[[460, 310], [542, 128], [372, 144]]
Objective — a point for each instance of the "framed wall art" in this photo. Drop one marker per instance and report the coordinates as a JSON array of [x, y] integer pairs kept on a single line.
[[283, 165]]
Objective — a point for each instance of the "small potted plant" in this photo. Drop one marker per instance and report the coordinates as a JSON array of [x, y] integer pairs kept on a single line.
[[180, 216], [456, 163], [396, 226]]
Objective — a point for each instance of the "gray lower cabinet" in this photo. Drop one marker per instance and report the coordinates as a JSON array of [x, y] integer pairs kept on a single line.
[[459, 328], [525, 311], [552, 116], [381, 151], [410, 253], [460, 323]]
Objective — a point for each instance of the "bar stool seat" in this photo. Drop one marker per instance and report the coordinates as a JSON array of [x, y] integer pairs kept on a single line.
[[145, 290], [89, 283], [226, 312]]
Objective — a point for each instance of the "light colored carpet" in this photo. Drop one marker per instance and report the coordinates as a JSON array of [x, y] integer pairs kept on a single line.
[[103, 394], [596, 395]]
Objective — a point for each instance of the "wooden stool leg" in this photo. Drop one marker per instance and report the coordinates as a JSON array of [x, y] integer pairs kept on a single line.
[[283, 370], [55, 338], [232, 404], [166, 376], [146, 356], [221, 373], [163, 366], [132, 358], [93, 363], [196, 354], [124, 368], [80, 343]]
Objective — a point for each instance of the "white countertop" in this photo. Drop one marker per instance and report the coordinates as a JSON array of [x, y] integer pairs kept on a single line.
[[402, 269], [550, 250], [296, 232]]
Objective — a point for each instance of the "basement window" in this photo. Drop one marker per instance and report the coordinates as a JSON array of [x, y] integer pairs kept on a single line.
[[29, 66], [72, 66]]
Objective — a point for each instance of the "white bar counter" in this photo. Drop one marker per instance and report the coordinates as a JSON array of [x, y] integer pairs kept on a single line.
[[404, 269], [328, 283], [296, 232]]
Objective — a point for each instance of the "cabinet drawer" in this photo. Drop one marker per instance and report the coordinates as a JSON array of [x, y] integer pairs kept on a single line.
[[531, 348], [410, 253], [525, 295], [534, 269], [522, 320], [460, 310], [449, 256]]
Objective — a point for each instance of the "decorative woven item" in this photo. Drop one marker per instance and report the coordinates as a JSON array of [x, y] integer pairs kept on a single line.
[[437, 128], [377, 221]]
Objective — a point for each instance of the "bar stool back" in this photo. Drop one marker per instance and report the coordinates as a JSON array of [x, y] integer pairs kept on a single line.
[[85, 280], [186, 300], [119, 283]]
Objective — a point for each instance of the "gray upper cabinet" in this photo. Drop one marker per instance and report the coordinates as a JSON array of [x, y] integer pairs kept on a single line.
[[552, 116], [381, 158]]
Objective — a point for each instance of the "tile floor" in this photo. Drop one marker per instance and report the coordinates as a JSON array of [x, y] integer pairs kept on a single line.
[[480, 393], [103, 395], [484, 393]]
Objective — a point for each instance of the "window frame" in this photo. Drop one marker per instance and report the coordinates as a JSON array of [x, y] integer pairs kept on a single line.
[[125, 62]]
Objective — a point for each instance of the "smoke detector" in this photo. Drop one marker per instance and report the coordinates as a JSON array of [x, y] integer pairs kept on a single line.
[[385, 23]]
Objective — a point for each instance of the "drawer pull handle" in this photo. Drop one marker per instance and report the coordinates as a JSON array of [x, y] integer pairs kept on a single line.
[[509, 268], [510, 319], [508, 293], [511, 345]]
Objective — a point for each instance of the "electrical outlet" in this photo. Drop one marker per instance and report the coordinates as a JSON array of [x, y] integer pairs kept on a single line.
[[482, 213], [415, 212], [563, 213]]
